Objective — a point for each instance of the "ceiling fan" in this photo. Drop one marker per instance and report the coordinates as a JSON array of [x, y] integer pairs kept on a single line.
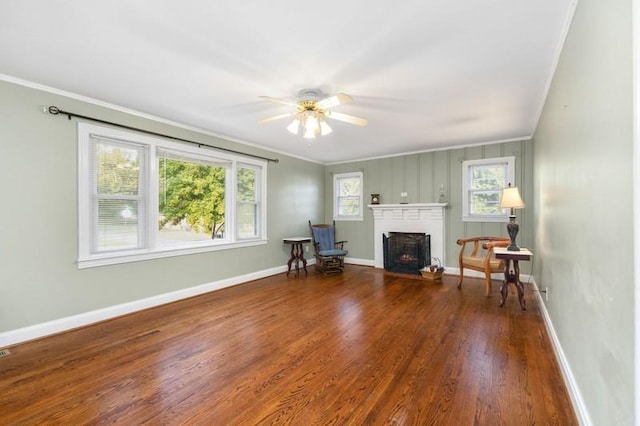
[[312, 109]]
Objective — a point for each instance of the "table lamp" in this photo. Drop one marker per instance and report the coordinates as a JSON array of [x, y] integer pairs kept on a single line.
[[511, 200]]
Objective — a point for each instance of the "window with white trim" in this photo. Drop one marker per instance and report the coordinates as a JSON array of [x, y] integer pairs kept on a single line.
[[248, 201], [142, 197], [347, 196], [482, 184]]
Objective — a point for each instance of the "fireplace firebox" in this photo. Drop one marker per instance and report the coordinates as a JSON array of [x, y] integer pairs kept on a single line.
[[406, 252]]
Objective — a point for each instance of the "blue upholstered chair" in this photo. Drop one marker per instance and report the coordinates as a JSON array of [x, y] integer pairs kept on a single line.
[[328, 252]]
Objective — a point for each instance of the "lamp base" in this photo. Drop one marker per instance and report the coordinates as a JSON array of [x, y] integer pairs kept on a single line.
[[512, 229]]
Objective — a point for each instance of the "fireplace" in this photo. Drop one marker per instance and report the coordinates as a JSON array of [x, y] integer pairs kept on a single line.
[[428, 218], [406, 252]]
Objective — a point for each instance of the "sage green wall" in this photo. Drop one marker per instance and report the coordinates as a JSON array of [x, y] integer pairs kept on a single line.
[[39, 280], [584, 211], [420, 176]]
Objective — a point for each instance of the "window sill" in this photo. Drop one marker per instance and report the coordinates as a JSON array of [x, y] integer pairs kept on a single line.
[[496, 219], [348, 218], [140, 255]]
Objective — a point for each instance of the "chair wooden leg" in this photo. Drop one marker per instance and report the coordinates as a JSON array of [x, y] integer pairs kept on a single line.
[[461, 276], [488, 283]]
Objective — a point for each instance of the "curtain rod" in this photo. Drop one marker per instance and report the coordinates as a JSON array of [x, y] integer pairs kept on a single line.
[[54, 110]]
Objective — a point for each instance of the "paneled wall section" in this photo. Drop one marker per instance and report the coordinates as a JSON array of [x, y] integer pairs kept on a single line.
[[421, 176]]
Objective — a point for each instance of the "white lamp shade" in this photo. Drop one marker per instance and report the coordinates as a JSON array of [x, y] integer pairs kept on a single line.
[[309, 133], [325, 129], [511, 199], [294, 127], [311, 125], [311, 122]]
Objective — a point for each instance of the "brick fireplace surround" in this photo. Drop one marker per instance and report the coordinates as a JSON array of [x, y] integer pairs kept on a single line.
[[419, 217]]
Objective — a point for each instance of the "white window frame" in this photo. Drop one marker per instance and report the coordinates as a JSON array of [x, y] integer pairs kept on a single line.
[[261, 189], [466, 187], [336, 202], [150, 247]]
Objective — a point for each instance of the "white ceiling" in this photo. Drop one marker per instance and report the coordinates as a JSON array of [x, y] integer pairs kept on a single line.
[[428, 74]]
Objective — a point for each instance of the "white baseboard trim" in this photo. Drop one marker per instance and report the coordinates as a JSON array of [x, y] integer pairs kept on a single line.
[[579, 406], [36, 331], [356, 261]]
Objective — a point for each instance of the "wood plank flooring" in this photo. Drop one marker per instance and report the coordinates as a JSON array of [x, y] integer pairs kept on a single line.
[[361, 348]]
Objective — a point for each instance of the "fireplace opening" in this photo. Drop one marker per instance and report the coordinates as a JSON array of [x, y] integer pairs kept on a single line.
[[406, 252]]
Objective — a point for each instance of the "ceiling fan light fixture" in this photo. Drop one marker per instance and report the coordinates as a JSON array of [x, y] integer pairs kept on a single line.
[[294, 127], [325, 129], [309, 133], [311, 124], [312, 110]]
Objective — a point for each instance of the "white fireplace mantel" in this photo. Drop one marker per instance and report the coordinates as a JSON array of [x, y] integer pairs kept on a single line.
[[418, 217]]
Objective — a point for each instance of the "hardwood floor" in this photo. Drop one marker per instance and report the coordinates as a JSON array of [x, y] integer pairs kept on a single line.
[[361, 348]]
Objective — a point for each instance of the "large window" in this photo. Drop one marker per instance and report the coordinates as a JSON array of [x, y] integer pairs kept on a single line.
[[347, 196], [482, 184], [191, 202], [143, 198]]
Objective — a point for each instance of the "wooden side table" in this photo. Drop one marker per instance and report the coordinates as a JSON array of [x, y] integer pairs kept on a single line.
[[509, 277], [297, 253]]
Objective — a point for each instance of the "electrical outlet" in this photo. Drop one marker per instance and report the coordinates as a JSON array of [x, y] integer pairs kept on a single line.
[[306, 248], [403, 194]]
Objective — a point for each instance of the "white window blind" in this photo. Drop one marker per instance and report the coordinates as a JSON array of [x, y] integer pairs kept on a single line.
[[119, 195], [248, 211]]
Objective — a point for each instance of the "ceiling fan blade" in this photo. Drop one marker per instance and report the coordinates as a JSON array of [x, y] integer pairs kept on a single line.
[[331, 101], [279, 101], [347, 118], [277, 117]]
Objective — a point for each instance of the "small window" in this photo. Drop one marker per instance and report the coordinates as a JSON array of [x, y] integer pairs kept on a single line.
[[482, 184], [347, 196]]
